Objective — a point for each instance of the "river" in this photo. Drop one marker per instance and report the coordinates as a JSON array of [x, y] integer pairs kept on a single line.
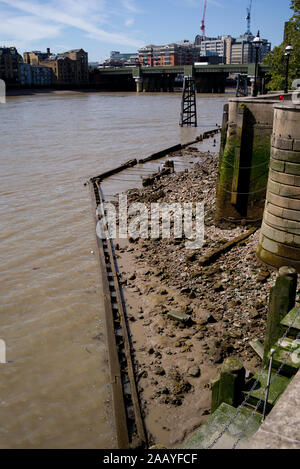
[[54, 388]]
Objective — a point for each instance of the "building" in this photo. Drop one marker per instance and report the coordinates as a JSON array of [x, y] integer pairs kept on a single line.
[[81, 70], [242, 50], [213, 50], [117, 59], [35, 75], [64, 70], [10, 61], [67, 68], [213, 46], [233, 51], [35, 57], [179, 53]]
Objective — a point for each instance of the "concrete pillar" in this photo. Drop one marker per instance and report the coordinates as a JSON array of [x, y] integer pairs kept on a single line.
[[279, 243], [152, 84], [282, 300], [244, 162], [228, 386], [2, 92], [146, 84], [252, 81], [139, 85]]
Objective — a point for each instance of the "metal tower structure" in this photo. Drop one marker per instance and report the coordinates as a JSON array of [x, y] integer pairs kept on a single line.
[[248, 18], [242, 86], [188, 116], [203, 19]]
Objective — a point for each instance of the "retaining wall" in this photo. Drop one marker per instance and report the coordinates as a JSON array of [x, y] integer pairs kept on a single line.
[[279, 242]]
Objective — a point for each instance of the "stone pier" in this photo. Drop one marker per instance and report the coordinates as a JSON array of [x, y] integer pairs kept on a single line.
[[245, 157], [279, 243]]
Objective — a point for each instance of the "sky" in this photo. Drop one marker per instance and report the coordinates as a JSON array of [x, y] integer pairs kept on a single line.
[[100, 26]]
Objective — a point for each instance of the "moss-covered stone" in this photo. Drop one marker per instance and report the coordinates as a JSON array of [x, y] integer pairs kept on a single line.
[[244, 167], [277, 388], [206, 434]]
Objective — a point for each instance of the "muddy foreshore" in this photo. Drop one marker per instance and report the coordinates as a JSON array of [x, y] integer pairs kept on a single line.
[[226, 301]]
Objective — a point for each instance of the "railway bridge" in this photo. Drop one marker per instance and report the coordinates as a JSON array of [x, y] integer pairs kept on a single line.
[[208, 78]]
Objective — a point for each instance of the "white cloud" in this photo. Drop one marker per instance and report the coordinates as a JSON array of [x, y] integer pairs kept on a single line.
[[130, 6], [22, 27], [129, 22], [79, 14]]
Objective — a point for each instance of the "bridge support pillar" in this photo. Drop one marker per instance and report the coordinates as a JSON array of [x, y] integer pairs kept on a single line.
[[146, 85], [139, 85]]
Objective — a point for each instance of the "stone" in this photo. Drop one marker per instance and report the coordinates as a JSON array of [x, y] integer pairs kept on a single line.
[[194, 371], [218, 287], [191, 257], [132, 277], [158, 370], [178, 316], [204, 436]]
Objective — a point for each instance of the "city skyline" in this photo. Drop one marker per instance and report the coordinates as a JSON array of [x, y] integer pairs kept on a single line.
[[99, 27]]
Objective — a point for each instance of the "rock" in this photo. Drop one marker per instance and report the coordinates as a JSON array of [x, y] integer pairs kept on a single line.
[[191, 257], [132, 277], [178, 316], [218, 287], [176, 401], [204, 317], [211, 320], [263, 275], [254, 314], [158, 370], [194, 371], [164, 390], [143, 374]]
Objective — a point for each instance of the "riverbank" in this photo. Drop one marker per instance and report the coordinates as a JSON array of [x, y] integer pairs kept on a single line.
[[61, 91], [226, 302]]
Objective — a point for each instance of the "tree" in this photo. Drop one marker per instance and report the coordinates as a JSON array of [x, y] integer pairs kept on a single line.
[[277, 60]]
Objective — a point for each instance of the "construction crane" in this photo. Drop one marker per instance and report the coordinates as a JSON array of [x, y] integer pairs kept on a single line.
[[248, 18], [203, 19]]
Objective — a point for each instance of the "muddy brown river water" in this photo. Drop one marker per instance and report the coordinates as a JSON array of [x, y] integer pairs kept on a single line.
[[54, 390]]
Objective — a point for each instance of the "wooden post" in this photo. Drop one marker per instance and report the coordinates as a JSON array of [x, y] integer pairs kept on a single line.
[[228, 386], [282, 300]]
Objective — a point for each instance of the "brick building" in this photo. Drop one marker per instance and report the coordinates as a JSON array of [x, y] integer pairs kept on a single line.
[[63, 70], [35, 57], [68, 68], [81, 70], [181, 53], [10, 61]]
